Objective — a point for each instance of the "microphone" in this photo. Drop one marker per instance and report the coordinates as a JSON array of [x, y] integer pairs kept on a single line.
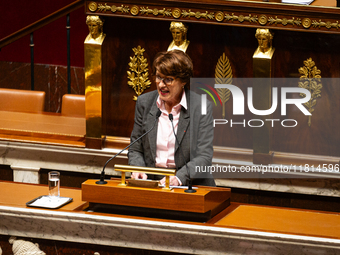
[[190, 189], [102, 174]]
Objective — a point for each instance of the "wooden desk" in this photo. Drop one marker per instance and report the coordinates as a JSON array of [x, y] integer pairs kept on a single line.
[[280, 220], [42, 128], [325, 3], [18, 194], [234, 231]]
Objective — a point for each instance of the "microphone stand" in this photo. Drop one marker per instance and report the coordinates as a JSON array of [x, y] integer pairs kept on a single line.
[[102, 174], [190, 189]]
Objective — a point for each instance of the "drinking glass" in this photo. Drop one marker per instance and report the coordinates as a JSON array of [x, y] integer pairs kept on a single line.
[[54, 184]]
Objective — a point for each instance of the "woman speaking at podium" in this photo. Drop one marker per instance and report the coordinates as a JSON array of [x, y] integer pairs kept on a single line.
[[172, 71]]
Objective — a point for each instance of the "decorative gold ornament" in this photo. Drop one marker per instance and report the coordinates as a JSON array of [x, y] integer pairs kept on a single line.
[[285, 21], [198, 15], [310, 79], [264, 38], [93, 6], [95, 25], [219, 16], [176, 13], [306, 23], [146, 11], [104, 7], [93, 76], [223, 75], [263, 20], [327, 24], [179, 35], [113, 8], [134, 10], [138, 77], [241, 18]]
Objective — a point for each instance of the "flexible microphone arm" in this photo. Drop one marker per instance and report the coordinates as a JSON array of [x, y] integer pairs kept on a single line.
[[102, 174], [190, 189]]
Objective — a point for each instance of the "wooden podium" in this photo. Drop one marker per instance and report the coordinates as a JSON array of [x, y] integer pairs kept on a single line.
[[156, 202]]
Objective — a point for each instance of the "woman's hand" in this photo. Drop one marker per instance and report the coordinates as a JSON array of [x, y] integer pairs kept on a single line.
[[173, 181], [139, 176]]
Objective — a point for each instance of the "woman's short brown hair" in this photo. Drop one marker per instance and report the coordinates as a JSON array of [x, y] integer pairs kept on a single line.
[[174, 63]]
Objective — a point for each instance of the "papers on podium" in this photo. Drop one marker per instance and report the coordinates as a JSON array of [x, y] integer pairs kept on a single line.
[[303, 2]]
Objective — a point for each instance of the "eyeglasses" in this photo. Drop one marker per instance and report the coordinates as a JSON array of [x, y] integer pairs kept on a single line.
[[166, 80]]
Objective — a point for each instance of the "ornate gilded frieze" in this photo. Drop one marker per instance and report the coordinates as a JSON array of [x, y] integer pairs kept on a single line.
[[146, 11], [113, 8], [240, 18], [284, 21], [311, 80], [139, 74], [197, 15], [215, 16], [326, 24], [223, 75]]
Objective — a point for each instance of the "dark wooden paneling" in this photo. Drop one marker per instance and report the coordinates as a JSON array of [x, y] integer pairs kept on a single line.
[[322, 137], [285, 199], [122, 35], [6, 173]]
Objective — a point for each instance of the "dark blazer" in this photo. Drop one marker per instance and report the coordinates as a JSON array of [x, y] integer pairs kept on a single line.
[[196, 139]]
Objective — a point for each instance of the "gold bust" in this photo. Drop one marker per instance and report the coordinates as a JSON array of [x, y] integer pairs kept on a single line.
[[264, 38], [179, 35], [95, 25]]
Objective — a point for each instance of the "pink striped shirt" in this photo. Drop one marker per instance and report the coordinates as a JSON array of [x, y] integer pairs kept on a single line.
[[165, 152]]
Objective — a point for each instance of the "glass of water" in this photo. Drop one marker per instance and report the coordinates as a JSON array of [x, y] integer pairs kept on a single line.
[[54, 184]]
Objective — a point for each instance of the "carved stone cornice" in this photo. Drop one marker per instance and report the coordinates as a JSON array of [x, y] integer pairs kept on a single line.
[[226, 13]]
